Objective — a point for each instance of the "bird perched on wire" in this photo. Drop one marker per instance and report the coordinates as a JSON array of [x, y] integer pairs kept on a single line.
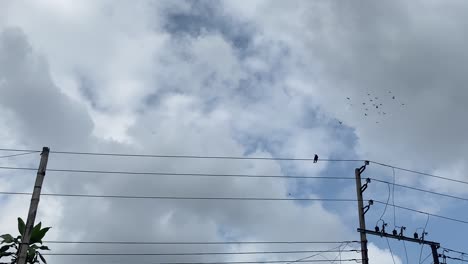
[[315, 158]]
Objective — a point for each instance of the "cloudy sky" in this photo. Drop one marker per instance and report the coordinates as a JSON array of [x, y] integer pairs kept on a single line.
[[381, 81]]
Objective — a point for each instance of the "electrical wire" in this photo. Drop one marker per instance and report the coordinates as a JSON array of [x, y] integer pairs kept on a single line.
[[406, 251], [254, 262], [235, 158], [385, 209], [390, 248], [422, 245], [422, 190], [460, 259], [420, 253], [16, 155], [182, 174], [197, 253], [418, 172], [426, 213], [428, 255], [196, 242], [184, 198], [185, 156], [455, 251], [314, 255], [217, 262]]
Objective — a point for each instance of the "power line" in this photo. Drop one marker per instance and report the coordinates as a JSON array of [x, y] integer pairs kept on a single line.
[[386, 205], [420, 173], [198, 253], [182, 174], [15, 155], [184, 198], [186, 156], [234, 158], [454, 251], [217, 262], [406, 252], [314, 255], [196, 242], [426, 213], [258, 262], [390, 248], [460, 259], [422, 190]]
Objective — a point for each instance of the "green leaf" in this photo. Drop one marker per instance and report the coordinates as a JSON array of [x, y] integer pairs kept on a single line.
[[21, 226], [38, 236], [7, 238], [4, 248], [34, 246], [31, 254], [5, 254], [35, 234], [42, 258], [39, 226]]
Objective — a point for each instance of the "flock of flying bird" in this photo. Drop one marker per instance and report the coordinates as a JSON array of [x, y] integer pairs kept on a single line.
[[373, 105]]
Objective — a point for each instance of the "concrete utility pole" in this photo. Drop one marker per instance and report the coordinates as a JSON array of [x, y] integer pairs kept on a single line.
[[362, 210], [23, 249], [362, 221], [434, 245]]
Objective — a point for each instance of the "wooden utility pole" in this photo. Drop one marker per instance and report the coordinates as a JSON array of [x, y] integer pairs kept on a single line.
[[362, 221], [23, 249]]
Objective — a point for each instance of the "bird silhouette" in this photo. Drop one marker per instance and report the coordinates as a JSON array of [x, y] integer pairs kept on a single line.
[[348, 98], [340, 122], [365, 114], [393, 97], [363, 103]]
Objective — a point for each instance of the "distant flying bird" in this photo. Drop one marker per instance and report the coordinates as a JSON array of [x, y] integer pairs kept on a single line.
[[402, 104], [376, 98], [365, 114], [380, 104], [371, 100], [340, 122], [363, 103], [376, 106], [367, 109], [393, 97], [348, 98]]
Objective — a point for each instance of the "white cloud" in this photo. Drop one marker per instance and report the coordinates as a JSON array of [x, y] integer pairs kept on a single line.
[[109, 76]]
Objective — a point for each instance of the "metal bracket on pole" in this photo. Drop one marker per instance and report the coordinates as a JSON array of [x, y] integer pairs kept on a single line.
[[367, 207]]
